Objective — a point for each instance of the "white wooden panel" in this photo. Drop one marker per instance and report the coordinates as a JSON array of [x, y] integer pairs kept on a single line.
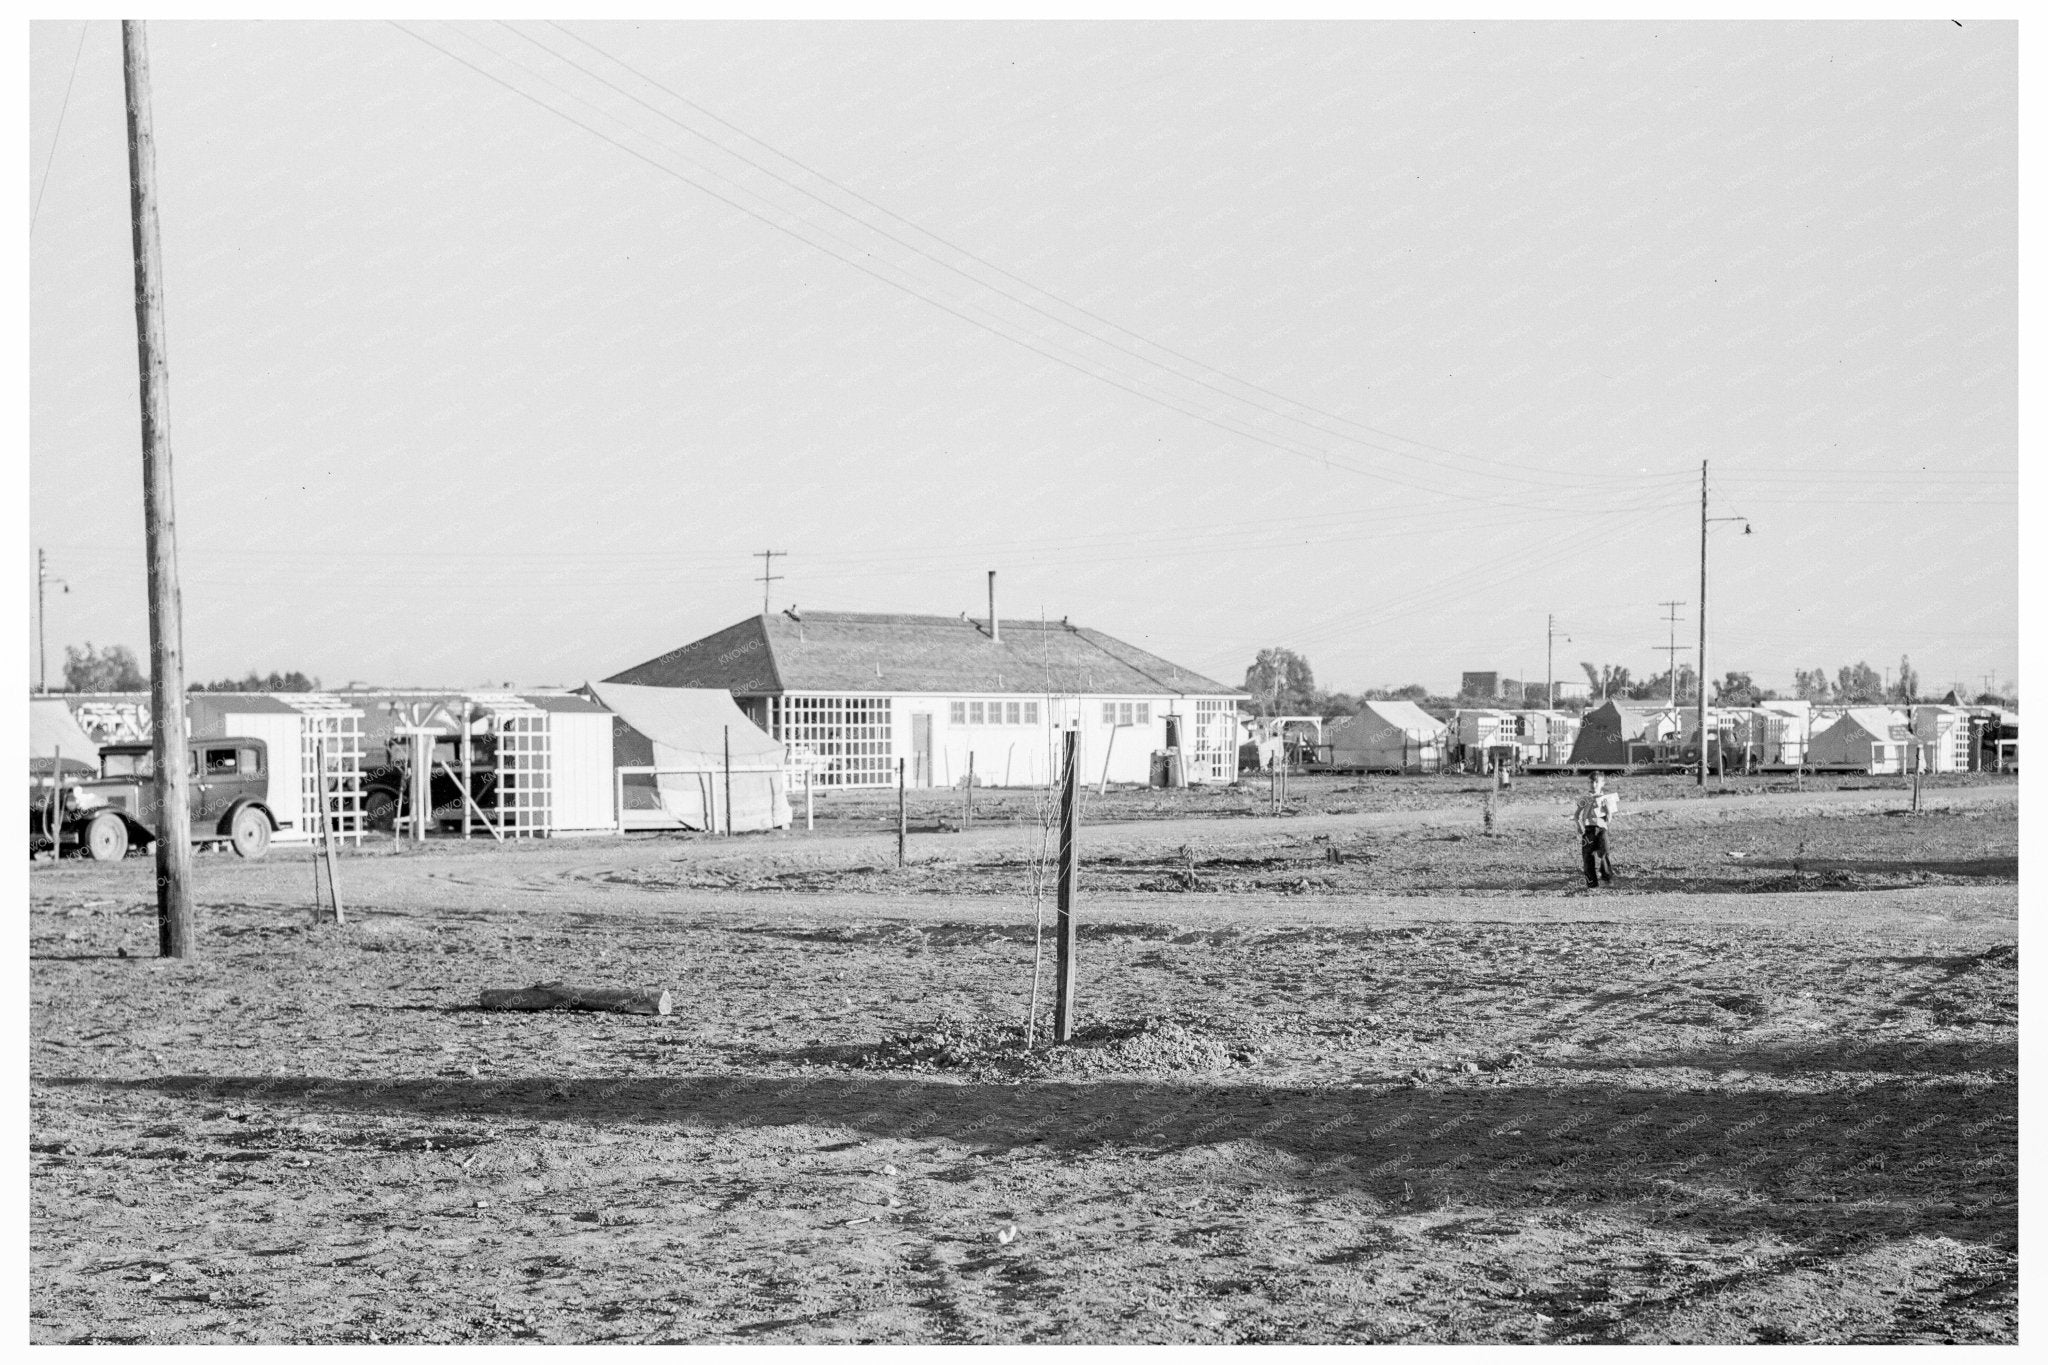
[[582, 777], [279, 732]]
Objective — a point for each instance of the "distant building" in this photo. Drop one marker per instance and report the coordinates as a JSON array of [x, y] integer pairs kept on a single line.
[[1482, 686], [850, 693]]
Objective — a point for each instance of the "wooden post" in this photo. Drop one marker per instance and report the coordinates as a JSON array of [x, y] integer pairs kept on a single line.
[[902, 815], [728, 782], [466, 787], [807, 797], [327, 832], [1107, 750], [176, 932], [1066, 967], [967, 820]]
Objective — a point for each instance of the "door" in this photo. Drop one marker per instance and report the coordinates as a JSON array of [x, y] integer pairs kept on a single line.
[[219, 782], [921, 749]]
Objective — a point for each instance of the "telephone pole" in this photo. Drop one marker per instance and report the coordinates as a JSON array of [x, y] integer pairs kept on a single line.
[[43, 580], [1706, 521], [1671, 649], [1550, 638], [768, 574], [175, 929]]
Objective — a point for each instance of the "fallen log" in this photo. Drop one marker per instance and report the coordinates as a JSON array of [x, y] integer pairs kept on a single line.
[[553, 995]]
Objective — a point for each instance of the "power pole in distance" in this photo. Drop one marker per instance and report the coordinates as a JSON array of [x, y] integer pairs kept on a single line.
[[41, 614], [1550, 639], [768, 574], [175, 929], [1671, 649]]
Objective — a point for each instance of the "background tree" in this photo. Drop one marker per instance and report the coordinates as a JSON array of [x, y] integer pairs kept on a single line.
[[112, 669], [1737, 689], [294, 681], [1859, 685], [1812, 686], [1610, 680], [1907, 690], [1657, 687], [1281, 683]]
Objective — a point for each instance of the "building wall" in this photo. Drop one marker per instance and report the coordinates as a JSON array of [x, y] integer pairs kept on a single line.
[[1011, 739], [580, 776]]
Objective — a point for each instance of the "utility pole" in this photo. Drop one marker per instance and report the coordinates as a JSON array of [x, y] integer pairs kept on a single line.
[[768, 574], [41, 617], [175, 929], [1706, 521], [1671, 649], [1550, 638]]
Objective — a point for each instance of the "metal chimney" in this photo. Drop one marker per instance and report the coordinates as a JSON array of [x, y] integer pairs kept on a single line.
[[995, 631]]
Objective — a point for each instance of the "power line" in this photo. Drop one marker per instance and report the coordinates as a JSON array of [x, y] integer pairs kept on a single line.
[[1085, 366], [51, 159], [1551, 475]]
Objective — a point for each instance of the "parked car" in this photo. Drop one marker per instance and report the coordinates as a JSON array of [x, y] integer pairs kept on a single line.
[[103, 817], [387, 789]]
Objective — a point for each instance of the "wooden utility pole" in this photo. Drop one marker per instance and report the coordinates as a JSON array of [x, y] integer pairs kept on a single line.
[[728, 782], [967, 817], [1067, 966], [1703, 624], [768, 574], [176, 933], [43, 581], [902, 815]]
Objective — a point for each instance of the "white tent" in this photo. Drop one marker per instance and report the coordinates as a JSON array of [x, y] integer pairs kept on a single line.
[[53, 730], [683, 734]]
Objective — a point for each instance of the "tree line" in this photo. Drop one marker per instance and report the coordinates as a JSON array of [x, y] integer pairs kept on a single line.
[[1282, 683], [116, 669]]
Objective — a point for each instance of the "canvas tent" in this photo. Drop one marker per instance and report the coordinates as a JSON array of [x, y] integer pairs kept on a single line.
[[1387, 736], [53, 730], [1868, 739], [681, 733], [1607, 732]]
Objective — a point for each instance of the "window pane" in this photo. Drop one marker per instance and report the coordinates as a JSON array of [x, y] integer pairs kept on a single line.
[[974, 713], [1015, 714], [252, 762], [959, 713], [1031, 713], [1109, 713], [1144, 713]]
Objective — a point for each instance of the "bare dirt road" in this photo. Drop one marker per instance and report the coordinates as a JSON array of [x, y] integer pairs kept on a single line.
[[1348, 1076]]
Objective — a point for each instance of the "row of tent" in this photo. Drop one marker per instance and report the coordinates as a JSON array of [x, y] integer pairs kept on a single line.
[[1399, 736]]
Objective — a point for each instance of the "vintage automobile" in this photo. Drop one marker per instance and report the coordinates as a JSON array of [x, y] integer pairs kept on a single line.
[[103, 817], [387, 789]]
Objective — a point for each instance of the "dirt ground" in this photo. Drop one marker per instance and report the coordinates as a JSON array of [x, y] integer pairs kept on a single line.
[[1344, 1075]]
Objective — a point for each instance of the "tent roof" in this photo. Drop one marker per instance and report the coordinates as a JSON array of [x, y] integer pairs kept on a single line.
[[52, 727], [1401, 715], [690, 724], [867, 652]]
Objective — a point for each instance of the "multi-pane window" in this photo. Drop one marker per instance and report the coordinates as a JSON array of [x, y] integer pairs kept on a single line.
[[1142, 713], [1127, 713], [1109, 713], [994, 712], [852, 735]]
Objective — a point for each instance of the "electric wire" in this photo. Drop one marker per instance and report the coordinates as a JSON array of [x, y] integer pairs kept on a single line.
[[62, 109]]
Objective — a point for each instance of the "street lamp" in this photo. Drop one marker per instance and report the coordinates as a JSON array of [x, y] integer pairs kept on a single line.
[[1705, 522]]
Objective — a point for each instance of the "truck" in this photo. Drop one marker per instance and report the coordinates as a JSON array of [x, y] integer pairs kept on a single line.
[[103, 817]]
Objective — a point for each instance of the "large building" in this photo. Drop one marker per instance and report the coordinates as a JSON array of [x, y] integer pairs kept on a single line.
[[853, 692]]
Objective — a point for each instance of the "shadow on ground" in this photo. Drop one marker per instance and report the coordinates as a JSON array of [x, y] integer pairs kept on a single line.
[[1887, 1157]]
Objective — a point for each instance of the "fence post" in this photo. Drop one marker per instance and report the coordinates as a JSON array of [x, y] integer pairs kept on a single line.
[[728, 782], [967, 820], [902, 814], [1066, 968]]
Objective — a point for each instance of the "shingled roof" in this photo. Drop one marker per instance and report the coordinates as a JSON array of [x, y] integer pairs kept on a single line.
[[869, 652]]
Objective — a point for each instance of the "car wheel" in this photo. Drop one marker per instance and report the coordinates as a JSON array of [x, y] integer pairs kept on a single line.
[[106, 838], [380, 808], [250, 832]]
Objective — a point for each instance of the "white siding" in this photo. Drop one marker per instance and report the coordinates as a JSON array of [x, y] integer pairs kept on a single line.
[[580, 751], [279, 731]]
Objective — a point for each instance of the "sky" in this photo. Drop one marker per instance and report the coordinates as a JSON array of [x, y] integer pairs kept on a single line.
[[500, 353]]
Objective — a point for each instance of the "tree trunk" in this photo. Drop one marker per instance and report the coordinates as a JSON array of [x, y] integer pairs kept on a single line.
[[553, 995]]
